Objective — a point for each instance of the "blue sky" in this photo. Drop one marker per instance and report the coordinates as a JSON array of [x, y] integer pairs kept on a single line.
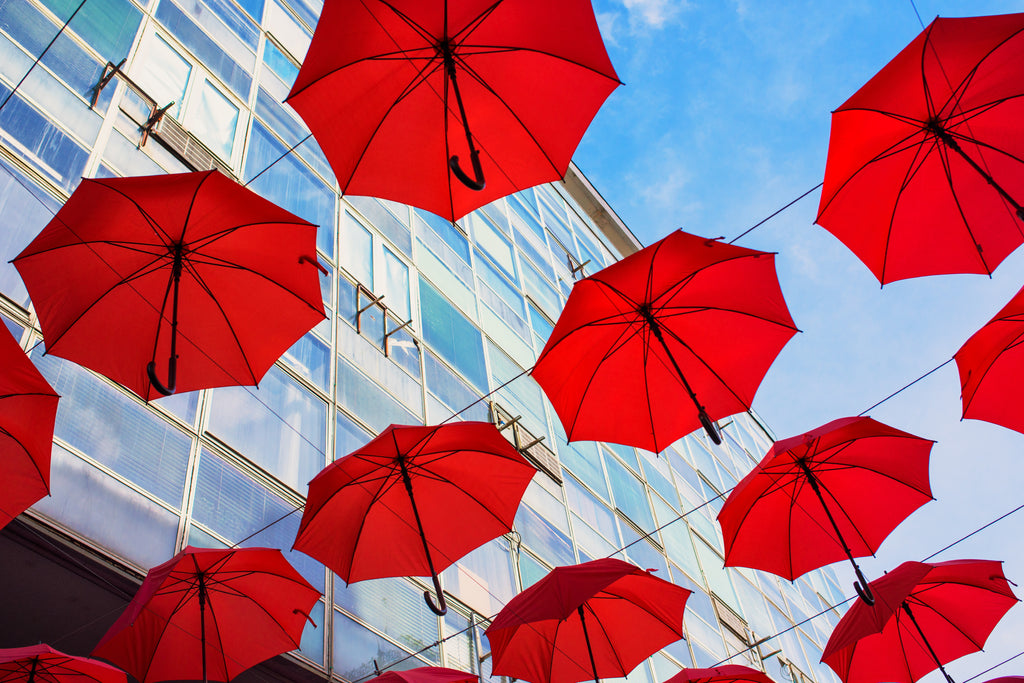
[[724, 118]]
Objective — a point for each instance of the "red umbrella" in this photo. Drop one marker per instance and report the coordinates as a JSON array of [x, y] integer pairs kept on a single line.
[[991, 365], [390, 89], [106, 275], [425, 674], [925, 614], [665, 341], [43, 664], [925, 170], [836, 491], [28, 408], [730, 673], [363, 521], [234, 607], [607, 613]]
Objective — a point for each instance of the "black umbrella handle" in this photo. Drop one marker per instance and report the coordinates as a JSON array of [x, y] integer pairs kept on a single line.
[[862, 587], [172, 362], [441, 608], [478, 183], [172, 376]]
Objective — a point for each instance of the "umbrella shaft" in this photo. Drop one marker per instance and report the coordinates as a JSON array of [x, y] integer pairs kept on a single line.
[[32, 673], [950, 142], [407, 480], [906, 608], [586, 637], [656, 329], [813, 481], [449, 65], [202, 621]]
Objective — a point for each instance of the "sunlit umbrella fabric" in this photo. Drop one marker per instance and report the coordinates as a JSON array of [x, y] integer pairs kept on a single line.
[[43, 664]]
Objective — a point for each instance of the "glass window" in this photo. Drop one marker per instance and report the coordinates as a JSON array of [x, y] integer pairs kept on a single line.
[[281, 63], [716, 574], [290, 129], [394, 607], [459, 644], [24, 211], [452, 391], [356, 254], [385, 221], [452, 335], [484, 579], [211, 55], [494, 244], [530, 570], [45, 145], [163, 74], [349, 436], [117, 431], [396, 285], [592, 510], [311, 358], [108, 512], [540, 536], [432, 230], [281, 426], [630, 495], [540, 290], [640, 551], [582, 458], [213, 119], [357, 649], [108, 26], [365, 399]]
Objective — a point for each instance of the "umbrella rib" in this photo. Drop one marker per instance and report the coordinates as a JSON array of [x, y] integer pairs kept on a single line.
[[377, 496], [948, 172], [952, 624], [31, 459], [473, 24], [607, 637], [406, 19], [965, 83], [903, 647], [884, 475], [714, 372], [492, 49], [152, 222], [1018, 339], [136, 247], [206, 240], [220, 639], [645, 335]]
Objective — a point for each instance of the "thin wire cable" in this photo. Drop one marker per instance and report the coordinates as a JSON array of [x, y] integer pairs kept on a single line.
[[774, 214], [904, 387], [992, 668], [964, 538], [41, 54], [272, 163], [918, 15]]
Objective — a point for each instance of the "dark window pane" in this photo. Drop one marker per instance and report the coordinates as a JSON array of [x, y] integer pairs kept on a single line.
[[452, 335]]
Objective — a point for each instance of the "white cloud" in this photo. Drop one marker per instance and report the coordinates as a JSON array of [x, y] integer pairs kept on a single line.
[[607, 22], [654, 13]]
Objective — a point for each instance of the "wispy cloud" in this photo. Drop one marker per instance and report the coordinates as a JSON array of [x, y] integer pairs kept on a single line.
[[654, 13], [608, 23]]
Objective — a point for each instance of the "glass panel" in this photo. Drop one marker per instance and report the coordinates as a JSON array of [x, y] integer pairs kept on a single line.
[[282, 428], [211, 55], [630, 495], [385, 221], [484, 579], [434, 231], [312, 358], [213, 120], [550, 544], [452, 335], [24, 210], [108, 26], [349, 436], [459, 645], [356, 650], [396, 285], [530, 570], [312, 643], [494, 243], [394, 607], [162, 73], [452, 390], [108, 512], [43, 144], [591, 509], [356, 255], [716, 574], [582, 458], [116, 430], [366, 400]]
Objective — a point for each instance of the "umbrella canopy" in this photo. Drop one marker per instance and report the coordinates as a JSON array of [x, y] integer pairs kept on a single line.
[[926, 614], [598, 619], [107, 273], [730, 673], [210, 614], [43, 664], [404, 94], [28, 409], [991, 366], [425, 674], [925, 170], [413, 501], [836, 491], [668, 339]]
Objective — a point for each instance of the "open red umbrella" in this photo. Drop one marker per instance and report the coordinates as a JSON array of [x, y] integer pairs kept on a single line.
[[43, 664], [665, 341], [107, 273], [991, 366], [425, 674], [836, 491], [210, 614], [404, 94], [730, 673], [28, 408], [925, 171], [926, 614], [413, 501], [594, 620]]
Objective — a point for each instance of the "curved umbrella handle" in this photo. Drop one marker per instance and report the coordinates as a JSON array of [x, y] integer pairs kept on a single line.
[[172, 376], [710, 427], [478, 183], [863, 588], [441, 608]]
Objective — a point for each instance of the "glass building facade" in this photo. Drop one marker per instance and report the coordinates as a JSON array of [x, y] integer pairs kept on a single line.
[[424, 319]]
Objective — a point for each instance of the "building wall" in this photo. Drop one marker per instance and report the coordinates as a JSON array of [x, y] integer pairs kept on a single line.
[[133, 483]]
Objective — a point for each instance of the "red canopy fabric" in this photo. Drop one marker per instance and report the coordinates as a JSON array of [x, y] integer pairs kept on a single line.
[[897, 192], [359, 519], [870, 475], [628, 615], [255, 608], [723, 319], [991, 366], [730, 673], [43, 664], [28, 409], [426, 674], [956, 604], [100, 275], [375, 91]]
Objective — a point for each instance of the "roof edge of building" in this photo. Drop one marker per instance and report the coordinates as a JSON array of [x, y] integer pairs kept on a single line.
[[590, 200]]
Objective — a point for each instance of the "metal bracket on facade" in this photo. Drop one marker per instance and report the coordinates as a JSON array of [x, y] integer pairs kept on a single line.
[[374, 301], [154, 118], [530, 445], [511, 422], [387, 335], [576, 270], [109, 71]]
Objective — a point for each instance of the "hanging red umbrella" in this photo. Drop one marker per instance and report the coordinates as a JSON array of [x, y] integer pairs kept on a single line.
[[43, 664], [425, 674], [925, 171], [210, 614], [392, 88], [364, 521], [991, 366], [665, 341], [730, 673], [28, 409], [836, 491], [107, 273], [594, 620], [926, 614]]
